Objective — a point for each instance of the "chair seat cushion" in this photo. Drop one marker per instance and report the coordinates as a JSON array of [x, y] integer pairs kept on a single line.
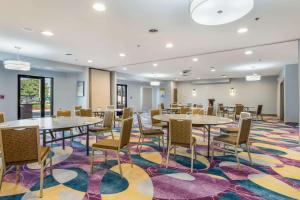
[[230, 130], [44, 152], [107, 144], [229, 139], [99, 129], [161, 124], [153, 132]]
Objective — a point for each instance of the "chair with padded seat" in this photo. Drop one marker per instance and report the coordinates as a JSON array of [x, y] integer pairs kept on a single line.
[[210, 110], [77, 110], [235, 130], [106, 127], [258, 113], [15, 153], [86, 112], [149, 133], [235, 140], [126, 113], [180, 133], [237, 111], [63, 113], [197, 111], [155, 122], [184, 110], [115, 145], [2, 118]]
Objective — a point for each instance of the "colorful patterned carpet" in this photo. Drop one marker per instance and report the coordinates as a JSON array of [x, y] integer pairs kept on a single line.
[[275, 173]]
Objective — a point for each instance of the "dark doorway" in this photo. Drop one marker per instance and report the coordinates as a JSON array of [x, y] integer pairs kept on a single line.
[[121, 96], [35, 96], [282, 101]]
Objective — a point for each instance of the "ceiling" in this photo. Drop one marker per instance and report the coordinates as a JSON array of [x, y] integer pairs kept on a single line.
[[102, 36]]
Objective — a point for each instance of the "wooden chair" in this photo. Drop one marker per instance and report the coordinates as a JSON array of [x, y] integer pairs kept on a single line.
[[16, 153], [235, 141], [127, 112], [210, 110], [77, 110], [115, 145], [184, 110], [63, 113], [86, 112], [106, 127], [2, 118], [237, 111], [235, 130], [181, 135], [157, 123], [149, 133], [197, 111], [258, 113]]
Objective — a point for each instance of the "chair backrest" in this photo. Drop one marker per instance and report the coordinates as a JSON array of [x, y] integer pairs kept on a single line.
[[238, 109], [180, 131], [198, 111], [86, 113], [244, 131], [2, 119], [78, 107], [154, 112], [20, 145], [259, 110], [110, 107], [184, 110], [125, 132], [162, 106], [244, 115], [221, 107], [210, 110], [140, 123], [174, 105], [127, 112], [108, 119], [63, 113]]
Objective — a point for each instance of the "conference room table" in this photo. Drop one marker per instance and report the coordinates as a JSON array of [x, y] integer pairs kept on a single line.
[[205, 121], [49, 125], [246, 108]]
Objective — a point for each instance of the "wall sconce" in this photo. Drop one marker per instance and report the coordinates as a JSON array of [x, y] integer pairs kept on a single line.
[[232, 92], [194, 93]]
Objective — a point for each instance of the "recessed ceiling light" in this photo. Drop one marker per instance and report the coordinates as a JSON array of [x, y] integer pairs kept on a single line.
[[249, 52], [99, 7], [47, 33], [224, 76], [122, 55], [212, 69], [155, 64], [198, 78], [68, 54], [217, 12], [27, 29], [169, 45], [242, 30], [90, 61], [195, 59], [124, 68]]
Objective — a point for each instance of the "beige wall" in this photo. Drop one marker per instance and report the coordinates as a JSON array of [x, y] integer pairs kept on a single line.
[[99, 88]]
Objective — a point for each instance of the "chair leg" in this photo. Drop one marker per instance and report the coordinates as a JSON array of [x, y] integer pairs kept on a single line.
[[41, 180], [105, 156], [175, 151], [51, 168], [192, 158], [141, 145], [92, 160], [1, 176], [17, 173], [249, 154], [237, 157], [129, 154], [168, 155], [112, 135], [139, 142], [163, 143], [159, 142], [119, 162], [212, 150]]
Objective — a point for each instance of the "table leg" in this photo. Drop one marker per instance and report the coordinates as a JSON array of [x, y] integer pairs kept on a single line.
[[168, 135], [208, 145], [63, 140], [44, 138], [87, 141]]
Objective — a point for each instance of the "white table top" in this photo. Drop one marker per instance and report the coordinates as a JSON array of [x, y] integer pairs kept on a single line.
[[104, 110], [196, 119], [49, 123]]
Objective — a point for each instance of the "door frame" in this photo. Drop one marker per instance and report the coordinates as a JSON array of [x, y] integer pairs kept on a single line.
[[126, 87], [42, 78]]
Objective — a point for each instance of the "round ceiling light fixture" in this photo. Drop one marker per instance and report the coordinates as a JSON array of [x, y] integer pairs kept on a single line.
[[217, 12]]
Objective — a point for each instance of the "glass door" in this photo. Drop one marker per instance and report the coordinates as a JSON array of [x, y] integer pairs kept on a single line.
[[121, 96], [35, 96]]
